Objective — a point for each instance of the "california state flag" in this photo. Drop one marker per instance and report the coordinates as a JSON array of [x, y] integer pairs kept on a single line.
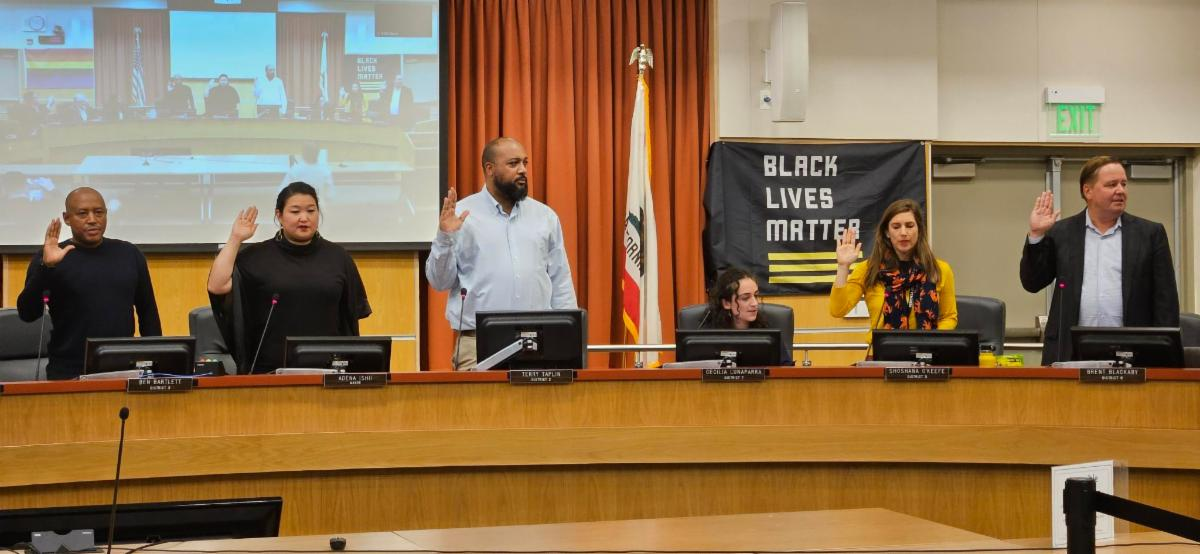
[[639, 286]]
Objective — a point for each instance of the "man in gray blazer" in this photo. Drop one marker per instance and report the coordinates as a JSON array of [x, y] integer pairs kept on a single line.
[[1112, 269]]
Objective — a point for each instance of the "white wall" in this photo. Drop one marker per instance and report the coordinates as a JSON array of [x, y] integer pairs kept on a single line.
[[970, 70], [997, 56], [873, 70]]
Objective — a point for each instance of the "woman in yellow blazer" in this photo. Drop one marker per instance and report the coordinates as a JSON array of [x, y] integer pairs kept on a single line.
[[905, 286]]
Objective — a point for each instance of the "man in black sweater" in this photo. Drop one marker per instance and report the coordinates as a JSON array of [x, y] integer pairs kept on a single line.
[[93, 285]]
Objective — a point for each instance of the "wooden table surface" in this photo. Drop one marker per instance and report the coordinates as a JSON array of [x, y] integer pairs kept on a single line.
[[461, 450]]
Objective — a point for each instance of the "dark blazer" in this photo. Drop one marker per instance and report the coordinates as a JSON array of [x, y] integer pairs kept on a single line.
[[383, 107], [1150, 298]]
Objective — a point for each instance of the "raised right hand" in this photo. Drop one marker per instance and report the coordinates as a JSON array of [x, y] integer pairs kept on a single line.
[[51, 252], [848, 249], [1043, 216], [448, 221], [244, 225]]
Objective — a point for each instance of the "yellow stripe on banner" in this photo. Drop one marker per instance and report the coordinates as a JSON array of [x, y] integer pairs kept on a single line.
[[800, 256], [800, 279], [784, 268]]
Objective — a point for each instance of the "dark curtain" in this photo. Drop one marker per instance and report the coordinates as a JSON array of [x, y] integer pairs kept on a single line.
[[554, 74], [298, 48], [114, 53]]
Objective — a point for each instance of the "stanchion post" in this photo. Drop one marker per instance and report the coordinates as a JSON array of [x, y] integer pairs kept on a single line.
[[1079, 506]]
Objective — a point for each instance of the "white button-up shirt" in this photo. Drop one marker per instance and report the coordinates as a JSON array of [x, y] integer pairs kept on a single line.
[[1101, 302], [513, 261]]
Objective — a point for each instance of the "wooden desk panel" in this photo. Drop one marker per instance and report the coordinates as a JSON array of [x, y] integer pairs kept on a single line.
[[871, 529], [447, 449]]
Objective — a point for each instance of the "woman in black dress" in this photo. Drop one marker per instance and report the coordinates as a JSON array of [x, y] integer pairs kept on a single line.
[[305, 284]]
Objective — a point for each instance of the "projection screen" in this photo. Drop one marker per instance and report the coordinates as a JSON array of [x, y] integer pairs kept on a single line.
[[182, 112]]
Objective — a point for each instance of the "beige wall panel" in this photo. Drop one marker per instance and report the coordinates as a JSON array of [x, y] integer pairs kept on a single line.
[[981, 223], [987, 75]]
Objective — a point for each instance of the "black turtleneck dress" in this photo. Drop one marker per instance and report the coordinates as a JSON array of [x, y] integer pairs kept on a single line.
[[320, 294]]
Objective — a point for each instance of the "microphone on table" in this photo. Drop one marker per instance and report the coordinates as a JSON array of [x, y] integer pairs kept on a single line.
[[462, 306], [112, 514], [267, 325], [37, 369]]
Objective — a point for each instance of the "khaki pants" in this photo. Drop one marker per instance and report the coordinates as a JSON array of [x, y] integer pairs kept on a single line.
[[466, 352]]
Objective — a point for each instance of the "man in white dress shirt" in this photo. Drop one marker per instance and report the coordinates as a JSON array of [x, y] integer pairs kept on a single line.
[[508, 255], [270, 95]]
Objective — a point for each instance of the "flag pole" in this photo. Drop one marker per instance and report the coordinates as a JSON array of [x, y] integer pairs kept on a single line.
[[639, 294], [643, 57]]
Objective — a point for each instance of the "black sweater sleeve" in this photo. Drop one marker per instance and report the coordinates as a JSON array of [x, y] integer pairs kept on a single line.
[[37, 280], [354, 299], [147, 308]]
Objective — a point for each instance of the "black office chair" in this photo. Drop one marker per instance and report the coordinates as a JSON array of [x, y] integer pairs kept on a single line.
[[209, 342], [1189, 333], [19, 346], [778, 316], [985, 315]]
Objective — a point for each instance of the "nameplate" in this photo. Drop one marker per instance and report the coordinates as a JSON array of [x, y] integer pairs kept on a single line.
[[733, 374], [1112, 375], [906, 374], [160, 384], [541, 376], [355, 380]]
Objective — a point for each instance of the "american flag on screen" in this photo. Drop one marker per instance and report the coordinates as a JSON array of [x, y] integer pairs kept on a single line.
[[138, 85]]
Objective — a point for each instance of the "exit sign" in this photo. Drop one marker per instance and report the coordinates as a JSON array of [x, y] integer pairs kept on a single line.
[[1075, 121]]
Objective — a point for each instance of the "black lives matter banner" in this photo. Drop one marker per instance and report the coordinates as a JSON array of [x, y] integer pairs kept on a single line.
[[779, 209]]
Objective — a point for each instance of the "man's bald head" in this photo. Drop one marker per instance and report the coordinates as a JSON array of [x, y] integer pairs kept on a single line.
[[493, 147], [87, 216], [80, 193]]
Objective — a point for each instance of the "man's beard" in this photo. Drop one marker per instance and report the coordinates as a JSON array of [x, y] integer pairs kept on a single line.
[[513, 192]]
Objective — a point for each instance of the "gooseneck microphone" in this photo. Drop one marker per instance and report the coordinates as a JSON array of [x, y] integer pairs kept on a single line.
[[267, 325], [1063, 345], [871, 331], [703, 320], [462, 306], [112, 514], [37, 369]]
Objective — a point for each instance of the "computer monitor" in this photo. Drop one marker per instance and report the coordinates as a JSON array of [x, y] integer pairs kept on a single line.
[[745, 347], [1139, 346], [940, 347], [173, 355], [352, 354], [151, 522], [560, 336]]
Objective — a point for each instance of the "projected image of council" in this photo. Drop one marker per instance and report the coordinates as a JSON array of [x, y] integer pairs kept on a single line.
[[180, 111]]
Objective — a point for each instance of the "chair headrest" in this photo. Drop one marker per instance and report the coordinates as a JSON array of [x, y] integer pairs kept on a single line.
[[20, 338]]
